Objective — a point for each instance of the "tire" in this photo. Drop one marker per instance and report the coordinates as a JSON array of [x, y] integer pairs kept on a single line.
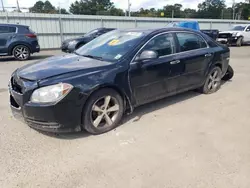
[[229, 74], [211, 86], [239, 42], [97, 119], [21, 52]]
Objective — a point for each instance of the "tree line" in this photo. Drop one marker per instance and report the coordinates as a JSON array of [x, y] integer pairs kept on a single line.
[[209, 9]]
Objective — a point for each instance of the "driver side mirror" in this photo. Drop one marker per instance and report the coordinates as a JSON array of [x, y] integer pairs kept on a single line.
[[147, 55], [248, 30]]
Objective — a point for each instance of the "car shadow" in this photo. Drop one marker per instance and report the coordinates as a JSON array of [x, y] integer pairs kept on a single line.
[[35, 57], [138, 113]]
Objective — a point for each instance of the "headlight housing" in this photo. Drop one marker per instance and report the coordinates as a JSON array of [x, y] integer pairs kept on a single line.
[[71, 43], [51, 94], [234, 34]]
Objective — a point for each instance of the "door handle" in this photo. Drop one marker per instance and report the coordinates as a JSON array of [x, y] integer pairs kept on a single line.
[[175, 62], [208, 55]]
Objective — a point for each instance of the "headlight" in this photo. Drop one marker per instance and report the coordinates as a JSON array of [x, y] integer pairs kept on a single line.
[[71, 43], [234, 34], [51, 94]]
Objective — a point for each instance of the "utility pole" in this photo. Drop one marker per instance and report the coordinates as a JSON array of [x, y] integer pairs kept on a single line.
[[18, 8], [172, 13], [2, 5], [233, 6], [129, 6]]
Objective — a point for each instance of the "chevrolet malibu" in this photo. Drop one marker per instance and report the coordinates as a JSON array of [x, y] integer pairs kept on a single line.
[[110, 76]]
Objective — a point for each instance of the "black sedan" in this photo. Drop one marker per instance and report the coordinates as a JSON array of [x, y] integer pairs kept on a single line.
[[111, 75], [71, 45]]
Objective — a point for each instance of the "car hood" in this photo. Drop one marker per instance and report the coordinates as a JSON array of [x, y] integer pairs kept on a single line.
[[58, 65]]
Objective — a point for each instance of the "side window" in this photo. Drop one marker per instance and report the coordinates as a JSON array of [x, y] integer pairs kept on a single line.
[[248, 29], [4, 29], [163, 44], [12, 29], [190, 41]]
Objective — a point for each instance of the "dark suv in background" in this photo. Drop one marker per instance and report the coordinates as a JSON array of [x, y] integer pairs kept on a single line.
[[71, 45], [18, 41]]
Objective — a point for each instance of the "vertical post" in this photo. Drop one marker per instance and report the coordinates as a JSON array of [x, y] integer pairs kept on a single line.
[[102, 25], [129, 13], [2, 5], [233, 9], [60, 24], [7, 17], [211, 25], [172, 14], [135, 23]]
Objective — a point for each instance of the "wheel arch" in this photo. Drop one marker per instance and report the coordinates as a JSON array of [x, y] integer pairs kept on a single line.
[[128, 108], [11, 48]]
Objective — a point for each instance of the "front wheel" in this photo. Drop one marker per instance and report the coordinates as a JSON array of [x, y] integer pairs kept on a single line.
[[229, 74], [239, 42], [21, 52], [213, 81], [103, 111]]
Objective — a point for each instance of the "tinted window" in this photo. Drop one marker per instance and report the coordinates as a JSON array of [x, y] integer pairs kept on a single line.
[[190, 41], [12, 29], [4, 29], [162, 44]]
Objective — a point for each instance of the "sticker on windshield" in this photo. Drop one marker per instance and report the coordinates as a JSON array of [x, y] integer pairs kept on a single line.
[[137, 34], [118, 56], [113, 42]]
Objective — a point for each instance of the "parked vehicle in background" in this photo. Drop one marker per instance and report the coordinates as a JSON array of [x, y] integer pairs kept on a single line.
[[92, 88], [238, 35], [18, 41], [71, 45], [213, 33]]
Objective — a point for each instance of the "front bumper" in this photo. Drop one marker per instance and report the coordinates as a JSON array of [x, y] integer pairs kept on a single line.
[[62, 117], [228, 41]]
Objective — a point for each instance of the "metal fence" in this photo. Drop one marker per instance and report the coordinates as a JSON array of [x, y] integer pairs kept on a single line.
[[52, 29]]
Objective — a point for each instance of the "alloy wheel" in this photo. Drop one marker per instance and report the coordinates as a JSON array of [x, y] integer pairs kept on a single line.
[[104, 112], [21, 53], [214, 80]]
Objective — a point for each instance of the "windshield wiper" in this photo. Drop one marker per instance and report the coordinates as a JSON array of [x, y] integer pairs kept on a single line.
[[93, 57]]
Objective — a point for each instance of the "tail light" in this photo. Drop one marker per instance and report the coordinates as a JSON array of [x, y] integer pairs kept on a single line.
[[30, 35]]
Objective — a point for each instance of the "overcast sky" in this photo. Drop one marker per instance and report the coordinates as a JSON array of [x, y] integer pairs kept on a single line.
[[136, 4]]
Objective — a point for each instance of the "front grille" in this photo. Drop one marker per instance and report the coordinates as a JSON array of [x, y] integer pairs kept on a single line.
[[225, 35], [15, 86]]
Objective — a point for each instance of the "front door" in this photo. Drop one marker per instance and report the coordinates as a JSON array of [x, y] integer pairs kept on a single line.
[[247, 34], [195, 55], [150, 80]]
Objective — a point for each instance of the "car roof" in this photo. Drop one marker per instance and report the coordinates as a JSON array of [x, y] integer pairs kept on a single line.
[[153, 30], [13, 25]]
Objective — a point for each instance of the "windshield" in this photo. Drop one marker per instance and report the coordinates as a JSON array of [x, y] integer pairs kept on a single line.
[[111, 46], [238, 28], [90, 33]]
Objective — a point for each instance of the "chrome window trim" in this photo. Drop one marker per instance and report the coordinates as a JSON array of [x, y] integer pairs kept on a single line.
[[167, 32]]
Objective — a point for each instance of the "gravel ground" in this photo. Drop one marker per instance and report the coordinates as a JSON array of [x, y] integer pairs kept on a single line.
[[189, 140]]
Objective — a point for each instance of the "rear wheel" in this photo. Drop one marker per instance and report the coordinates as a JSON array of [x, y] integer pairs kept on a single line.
[[103, 111], [213, 81], [21, 52], [229, 74]]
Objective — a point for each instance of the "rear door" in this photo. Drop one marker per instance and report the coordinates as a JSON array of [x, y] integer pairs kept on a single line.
[[195, 55], [6, 36]]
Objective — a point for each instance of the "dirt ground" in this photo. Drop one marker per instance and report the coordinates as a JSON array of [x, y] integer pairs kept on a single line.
[[187, 141]]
